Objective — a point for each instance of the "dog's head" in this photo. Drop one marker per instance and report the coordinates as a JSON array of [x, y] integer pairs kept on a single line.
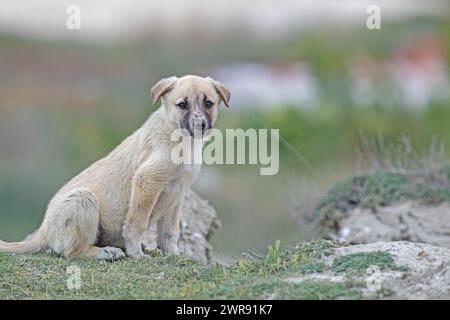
[[191, 102]]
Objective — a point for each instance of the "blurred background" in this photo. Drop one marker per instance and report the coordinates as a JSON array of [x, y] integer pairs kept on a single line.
[[310, 68]]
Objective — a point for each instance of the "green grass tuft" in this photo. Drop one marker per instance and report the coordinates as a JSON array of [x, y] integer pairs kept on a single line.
[[303, 258], [360, 262]]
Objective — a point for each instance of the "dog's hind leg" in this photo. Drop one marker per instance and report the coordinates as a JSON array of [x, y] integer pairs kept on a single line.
[[72, 226]]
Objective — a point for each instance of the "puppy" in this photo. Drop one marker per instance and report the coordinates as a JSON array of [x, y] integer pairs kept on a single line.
[[107, 207]]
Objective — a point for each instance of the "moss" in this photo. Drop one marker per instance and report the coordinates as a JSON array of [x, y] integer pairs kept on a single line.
[[360, 262]]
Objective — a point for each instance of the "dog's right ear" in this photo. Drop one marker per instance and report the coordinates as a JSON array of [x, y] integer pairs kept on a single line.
[[162, 87], [223, 92]]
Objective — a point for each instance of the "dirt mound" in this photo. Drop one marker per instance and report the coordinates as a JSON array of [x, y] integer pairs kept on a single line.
[[410, 221], [385, 206]]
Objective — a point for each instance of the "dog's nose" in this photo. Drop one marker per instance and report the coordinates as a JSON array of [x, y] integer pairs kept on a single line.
[[197, 122], [198, 126]]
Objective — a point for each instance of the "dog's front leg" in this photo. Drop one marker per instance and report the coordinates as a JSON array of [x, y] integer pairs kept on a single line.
[[148, 182], [169, 230]]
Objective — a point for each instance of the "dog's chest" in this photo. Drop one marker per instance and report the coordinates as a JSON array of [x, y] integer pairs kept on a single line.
[[188, 175], [190, 172], [174, 192]]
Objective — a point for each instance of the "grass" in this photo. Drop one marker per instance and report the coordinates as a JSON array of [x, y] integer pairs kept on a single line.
[[382, 188], [259, 276], [323, 290], [361, 261]]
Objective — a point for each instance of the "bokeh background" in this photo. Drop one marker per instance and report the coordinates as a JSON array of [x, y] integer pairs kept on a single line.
[[310, 68]]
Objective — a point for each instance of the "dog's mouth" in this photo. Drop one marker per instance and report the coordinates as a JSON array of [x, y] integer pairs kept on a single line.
[[196, 128]]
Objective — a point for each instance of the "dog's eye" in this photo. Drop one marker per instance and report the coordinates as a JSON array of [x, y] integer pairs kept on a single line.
[[208, 104], [182, 105]]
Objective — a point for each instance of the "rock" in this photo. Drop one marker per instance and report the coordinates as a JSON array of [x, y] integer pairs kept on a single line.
[[427, 272], [416, 257], [198, 224], [432, 284], [420, 271], [410, 221]]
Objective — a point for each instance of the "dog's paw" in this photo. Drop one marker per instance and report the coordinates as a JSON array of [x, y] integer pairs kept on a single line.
[[140, 256], [171, 250], [136, 254], [110, 254]]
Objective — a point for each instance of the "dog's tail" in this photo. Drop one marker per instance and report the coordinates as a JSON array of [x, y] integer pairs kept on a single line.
[[32, 244]]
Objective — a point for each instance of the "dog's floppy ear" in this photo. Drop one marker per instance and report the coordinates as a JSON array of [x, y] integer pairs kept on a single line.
[[221, 90], [162, 87]]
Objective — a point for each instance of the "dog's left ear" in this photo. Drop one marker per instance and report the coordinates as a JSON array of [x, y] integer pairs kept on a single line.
[[223, 92], [162, 87]]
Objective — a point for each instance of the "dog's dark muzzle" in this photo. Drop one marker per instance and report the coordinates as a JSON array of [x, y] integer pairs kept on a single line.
[[198, 124], [197, 127]]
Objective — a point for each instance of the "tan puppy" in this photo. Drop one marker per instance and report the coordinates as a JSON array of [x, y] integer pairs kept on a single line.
[[108, 206]]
